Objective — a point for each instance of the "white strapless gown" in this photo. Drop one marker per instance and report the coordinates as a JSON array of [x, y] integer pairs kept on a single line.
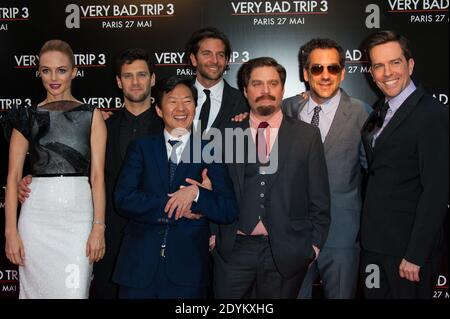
[[54, 224]]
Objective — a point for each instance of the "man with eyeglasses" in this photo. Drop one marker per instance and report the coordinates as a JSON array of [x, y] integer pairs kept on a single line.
[[339, 119], [406, 139]]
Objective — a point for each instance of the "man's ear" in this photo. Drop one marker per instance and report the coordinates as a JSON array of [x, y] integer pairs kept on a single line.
[[305, 75], [119, 82], [159, 111], [411, 66], [152, 80], [193, 60]]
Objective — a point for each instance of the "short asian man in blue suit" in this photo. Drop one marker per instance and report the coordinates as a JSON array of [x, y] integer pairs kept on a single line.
[[164, 253]]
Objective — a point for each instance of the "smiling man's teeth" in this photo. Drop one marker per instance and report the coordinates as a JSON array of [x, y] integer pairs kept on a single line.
[[390, 82], [180, 117]]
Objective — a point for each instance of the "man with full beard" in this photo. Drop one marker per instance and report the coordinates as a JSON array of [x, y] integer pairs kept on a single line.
[[283, 196]]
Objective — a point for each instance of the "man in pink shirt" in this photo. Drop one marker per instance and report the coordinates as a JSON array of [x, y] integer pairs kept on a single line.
[[283, 196]]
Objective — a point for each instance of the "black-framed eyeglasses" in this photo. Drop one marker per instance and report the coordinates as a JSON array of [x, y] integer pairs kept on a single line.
[[317, 69]]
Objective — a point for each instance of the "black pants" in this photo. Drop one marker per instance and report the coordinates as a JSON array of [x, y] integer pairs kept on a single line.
[[102, 285], [163, 288], [391, 285], [251, 273]]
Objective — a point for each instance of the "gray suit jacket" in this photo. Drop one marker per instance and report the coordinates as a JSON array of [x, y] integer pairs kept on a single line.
[[345, 158]]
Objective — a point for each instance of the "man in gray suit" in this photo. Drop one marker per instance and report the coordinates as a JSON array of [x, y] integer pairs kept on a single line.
[[340, 119]]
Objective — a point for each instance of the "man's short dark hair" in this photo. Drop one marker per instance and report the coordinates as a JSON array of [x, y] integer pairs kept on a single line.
[[318, 43], [249, 66], [129, 56], [382, 37], [166, 85], [193, 44]]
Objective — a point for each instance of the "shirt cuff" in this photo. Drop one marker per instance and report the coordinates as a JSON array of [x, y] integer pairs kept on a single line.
[[198, 195]]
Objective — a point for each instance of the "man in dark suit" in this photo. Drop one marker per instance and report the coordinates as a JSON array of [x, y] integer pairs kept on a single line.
[[164, 252], [406, 140], [283, 196], [340, 119], [135, 76], [208, 50]]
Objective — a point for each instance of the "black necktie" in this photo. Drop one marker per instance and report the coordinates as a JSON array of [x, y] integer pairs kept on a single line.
[[382, 114], [315, 118], [173, 159], [204, 113]]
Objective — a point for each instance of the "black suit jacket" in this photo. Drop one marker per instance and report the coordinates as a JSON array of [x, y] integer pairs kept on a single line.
[[407, 192], [297, 201], [233, 103]]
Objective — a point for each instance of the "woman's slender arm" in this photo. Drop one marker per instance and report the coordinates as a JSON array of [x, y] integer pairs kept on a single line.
[[95, 248], [17, 151]]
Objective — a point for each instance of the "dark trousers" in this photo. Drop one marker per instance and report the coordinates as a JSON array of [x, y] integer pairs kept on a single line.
[[338, 270], [163, 288], [251, 273], [103, 287], [391, 285]]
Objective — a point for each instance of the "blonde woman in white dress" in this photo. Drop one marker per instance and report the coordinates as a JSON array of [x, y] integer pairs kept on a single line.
[[60, 229]]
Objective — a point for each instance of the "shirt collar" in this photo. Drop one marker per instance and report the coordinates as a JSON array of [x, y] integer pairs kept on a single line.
[[397, 101], [184, 138], [274, 121], [328, 106], [216, 89]]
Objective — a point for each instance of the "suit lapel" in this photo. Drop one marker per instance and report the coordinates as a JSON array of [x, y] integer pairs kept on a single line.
[[225, 107], [339, 122], [239, 168], [281, 147], [401, 115], [367, 131], [301, 105], [160, 152]]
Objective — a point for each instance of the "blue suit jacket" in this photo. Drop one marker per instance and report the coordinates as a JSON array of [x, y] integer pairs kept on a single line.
[[141, 195]]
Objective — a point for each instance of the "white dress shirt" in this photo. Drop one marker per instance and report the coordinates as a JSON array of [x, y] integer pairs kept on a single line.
[[183, 139], [216, 101]]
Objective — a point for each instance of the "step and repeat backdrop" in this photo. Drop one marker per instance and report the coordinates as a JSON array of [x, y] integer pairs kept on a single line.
[[98, 30]]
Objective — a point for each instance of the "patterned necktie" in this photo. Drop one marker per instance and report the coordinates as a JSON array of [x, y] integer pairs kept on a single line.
[[261, 144], [315, 118], [173, 159], [204, 113]]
